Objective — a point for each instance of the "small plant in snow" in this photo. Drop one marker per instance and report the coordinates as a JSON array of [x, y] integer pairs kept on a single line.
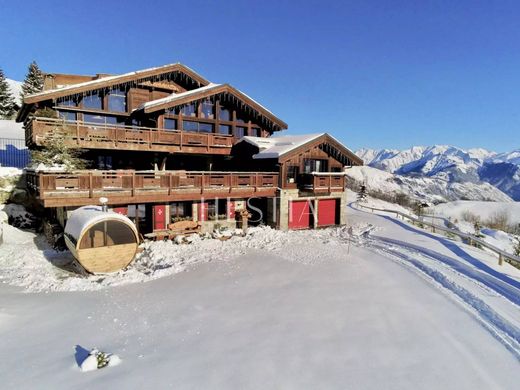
[[516, 248], [362, 194], [98, 359]]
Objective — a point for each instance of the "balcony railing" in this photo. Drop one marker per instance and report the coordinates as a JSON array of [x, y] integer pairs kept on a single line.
[[128, 186], [322, 183], [106, 136]]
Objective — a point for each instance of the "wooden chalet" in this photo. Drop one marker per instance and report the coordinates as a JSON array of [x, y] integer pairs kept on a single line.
[[165, 144]]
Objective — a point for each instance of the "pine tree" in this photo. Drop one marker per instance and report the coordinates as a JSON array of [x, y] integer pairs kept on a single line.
[[7, 103], [362, 193], [33, 82]]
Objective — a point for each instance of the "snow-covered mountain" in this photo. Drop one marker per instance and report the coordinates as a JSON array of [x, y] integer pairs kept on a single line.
[[456, 167]]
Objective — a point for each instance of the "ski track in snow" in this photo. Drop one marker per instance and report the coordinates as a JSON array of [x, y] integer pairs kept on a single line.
[[507, 333]]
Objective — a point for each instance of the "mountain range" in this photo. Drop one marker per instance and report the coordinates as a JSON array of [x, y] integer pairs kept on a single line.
[[451, 165]]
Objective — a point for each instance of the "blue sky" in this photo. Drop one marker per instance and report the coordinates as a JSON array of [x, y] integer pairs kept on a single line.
[[373, 73]]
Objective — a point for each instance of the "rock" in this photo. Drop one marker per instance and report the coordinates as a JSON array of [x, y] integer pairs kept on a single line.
[[179, 239], [19, 196]]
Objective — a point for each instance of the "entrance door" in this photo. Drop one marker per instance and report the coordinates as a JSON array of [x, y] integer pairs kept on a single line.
[[327, 212], [299, 214]]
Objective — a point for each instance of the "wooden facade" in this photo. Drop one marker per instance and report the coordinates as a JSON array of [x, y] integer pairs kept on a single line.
[[176, 122]]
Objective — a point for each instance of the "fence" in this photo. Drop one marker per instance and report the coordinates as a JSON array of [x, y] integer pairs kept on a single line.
[[502, 255], [13, 153]]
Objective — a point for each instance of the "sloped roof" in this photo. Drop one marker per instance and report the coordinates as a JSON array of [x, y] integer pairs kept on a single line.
[[209, 90], [275, 147], [281, 146], [113, 80]]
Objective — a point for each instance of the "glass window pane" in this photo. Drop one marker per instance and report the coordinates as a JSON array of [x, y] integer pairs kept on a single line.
[[117, 100], [170, 124], [189, 110], [240, 131], [67, 115], [190, 126], [224, 114], [224, 129], [205, 127], [93, 101], [93, 118], [67, 102], [255, 132], [206, 109]]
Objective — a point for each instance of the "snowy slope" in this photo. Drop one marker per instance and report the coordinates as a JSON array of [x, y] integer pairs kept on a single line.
[[387, 307], [451, 164], [429, 189]]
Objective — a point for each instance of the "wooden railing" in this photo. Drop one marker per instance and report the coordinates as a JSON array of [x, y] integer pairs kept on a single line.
[[128, 186], [322, 183], [107, 136]]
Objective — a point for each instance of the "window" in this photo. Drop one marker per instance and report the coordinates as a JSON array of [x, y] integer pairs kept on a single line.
[[224, 114], [170, 124], [310, 166], [292, 173], [197, 127], [255, 132], [67, 115], [189, 110], [104, 162], [103, 120], [117, 100], [206, 109], [66, 102], [224, 129], [240, 131], [180, 211], [93, 101], [239, 119]]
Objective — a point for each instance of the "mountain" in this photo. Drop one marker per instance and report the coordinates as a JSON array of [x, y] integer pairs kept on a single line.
[[455, 166]]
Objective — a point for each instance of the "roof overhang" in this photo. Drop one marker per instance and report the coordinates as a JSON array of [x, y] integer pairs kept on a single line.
[[207, 91]]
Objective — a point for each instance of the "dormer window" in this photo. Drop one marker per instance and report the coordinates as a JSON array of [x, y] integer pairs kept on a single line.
[[117, 100]]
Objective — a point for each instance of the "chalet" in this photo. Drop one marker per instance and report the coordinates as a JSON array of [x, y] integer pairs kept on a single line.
[[165, 145]]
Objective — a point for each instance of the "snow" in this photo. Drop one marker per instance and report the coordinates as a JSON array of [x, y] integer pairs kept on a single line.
[[11, 129], [86, 216], [427, 189], [275, 147], [389, 306], [176, 96], [484, 210], [10, 172], [102, 80], [15, 87]]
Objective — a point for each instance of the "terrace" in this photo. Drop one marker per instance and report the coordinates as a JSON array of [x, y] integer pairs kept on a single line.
[[59, 189]]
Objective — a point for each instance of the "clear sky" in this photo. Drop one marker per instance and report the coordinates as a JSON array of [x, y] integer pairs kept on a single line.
[[375, 74]]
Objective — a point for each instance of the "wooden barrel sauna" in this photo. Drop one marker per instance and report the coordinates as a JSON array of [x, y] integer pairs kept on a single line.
[[101, 241]]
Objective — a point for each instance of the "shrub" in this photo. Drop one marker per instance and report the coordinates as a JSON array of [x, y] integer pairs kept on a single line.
[[499, 221], [468, 216]]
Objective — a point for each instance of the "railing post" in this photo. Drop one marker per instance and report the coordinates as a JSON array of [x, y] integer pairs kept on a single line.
[[500, 259], [169, 183], [133, 185], [90, 189]]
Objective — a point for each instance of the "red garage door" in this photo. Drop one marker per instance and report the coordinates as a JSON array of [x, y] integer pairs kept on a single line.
[[327, 212], [299, 215]]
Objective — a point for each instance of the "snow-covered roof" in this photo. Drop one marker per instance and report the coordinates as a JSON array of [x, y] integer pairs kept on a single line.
[[86, 216], [176, 96], [11, 129], [104, 80], [275, 147]]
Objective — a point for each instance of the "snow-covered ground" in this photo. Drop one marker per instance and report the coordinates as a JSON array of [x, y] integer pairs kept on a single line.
[[389, 306], [484, 210]]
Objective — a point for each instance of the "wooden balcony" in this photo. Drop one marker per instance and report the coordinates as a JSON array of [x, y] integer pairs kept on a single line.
[[322, 183], [103, 136], [130, 187]]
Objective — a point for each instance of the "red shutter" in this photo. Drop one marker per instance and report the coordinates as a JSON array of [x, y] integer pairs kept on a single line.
[[231, 209], [327, 212], [121, 210], [159, 217], [299, 215], [203, 211]]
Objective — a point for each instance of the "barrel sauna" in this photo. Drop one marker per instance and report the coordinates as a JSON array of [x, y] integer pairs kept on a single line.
[[101, 241]]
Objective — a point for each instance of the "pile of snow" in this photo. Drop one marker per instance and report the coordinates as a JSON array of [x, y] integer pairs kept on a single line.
[[451, 164], [429, 189], [26, 259]]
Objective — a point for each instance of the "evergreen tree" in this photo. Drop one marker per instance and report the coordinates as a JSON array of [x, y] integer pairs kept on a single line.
[[7, 103], [33, 82], [362, 193]]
